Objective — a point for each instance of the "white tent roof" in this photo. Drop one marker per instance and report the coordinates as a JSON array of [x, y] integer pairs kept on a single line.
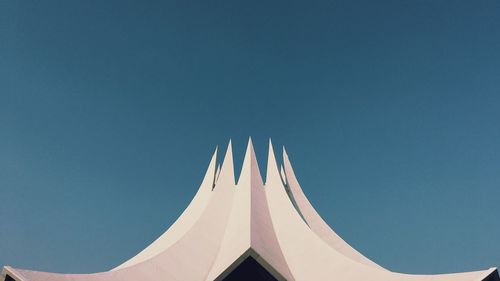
[[225, 223]]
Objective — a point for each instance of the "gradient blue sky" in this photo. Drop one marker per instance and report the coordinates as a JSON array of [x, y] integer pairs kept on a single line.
[[110, 111]]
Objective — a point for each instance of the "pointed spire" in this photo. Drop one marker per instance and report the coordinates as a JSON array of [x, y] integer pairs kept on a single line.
[[226, 174], [211, 171], [209, 179], [288, 166], [250, 169], [288, 169], [286, 160], [273, 174], [285, 155]]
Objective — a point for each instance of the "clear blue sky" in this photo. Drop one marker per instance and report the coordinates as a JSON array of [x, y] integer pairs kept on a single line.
[[110, 111]]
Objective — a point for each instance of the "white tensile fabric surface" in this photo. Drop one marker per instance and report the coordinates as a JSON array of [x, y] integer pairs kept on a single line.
[[227, 222]]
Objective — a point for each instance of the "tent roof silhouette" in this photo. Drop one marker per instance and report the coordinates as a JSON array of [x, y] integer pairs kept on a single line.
[[248, 230]]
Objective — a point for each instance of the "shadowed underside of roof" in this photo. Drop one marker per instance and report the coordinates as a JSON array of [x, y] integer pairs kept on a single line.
[[249, 270], [248, 231]]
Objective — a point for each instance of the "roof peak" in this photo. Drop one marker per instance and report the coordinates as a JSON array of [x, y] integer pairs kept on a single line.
[[250, 168]]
